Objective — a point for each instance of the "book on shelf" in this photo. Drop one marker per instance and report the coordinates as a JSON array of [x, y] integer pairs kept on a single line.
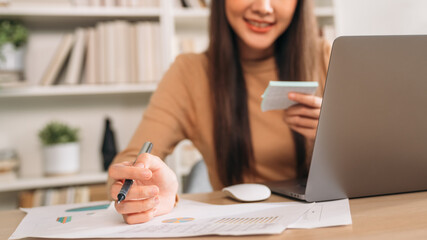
[[74, 69], [134, 70], [122, 51], [60, 56], [110, 52], [143, 53], [156, 48], [91, 58], [26, 199], [148, 51], [100, 39]]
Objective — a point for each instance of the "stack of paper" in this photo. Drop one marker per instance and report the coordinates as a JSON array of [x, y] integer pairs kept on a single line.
[[189, 218], [275, 96]]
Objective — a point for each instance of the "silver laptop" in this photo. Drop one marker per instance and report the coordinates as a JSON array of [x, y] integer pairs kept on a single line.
[[372, 132]]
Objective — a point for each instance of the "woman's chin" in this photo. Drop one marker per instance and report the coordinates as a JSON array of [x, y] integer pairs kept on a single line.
[[259, 47]]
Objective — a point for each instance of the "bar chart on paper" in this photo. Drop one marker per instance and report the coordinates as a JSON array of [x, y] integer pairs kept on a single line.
[[189, 218], [64, 219], [256, 220], [178, 220]]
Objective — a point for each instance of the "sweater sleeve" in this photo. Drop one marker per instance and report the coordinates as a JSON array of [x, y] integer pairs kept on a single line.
[[168, 118]]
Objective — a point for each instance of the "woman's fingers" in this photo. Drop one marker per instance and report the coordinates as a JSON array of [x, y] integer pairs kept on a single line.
[[150, 161], [302, 122], [136, 191], [309, 133], [303, 117], [153, 191], [300, 110], [121, 171], [308, 100], [131, 207], [140, 217]]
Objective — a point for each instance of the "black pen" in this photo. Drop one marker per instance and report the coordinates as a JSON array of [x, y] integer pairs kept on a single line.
[[146, 148]]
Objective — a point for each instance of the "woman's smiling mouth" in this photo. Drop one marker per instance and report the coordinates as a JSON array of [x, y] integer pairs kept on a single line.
[[259, 27]]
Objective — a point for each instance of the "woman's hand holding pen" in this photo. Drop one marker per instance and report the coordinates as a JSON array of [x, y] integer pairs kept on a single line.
[[153, 193], [304, 116]]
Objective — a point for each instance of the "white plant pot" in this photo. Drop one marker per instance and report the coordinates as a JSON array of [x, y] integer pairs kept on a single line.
[[13, 58], [61, 159]]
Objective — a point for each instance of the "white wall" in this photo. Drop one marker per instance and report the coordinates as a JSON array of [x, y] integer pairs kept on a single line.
[[380, 17]]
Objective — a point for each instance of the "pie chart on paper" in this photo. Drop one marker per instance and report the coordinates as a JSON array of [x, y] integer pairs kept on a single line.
[[178, 220]]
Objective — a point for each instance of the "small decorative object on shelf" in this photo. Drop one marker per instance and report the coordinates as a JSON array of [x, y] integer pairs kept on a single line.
[[13, 36], [61, 149], [109, 150], [9, 163]]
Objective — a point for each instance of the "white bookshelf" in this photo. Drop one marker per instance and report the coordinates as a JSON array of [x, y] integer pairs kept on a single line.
[[26, 108], [76, 90], [53, 182]]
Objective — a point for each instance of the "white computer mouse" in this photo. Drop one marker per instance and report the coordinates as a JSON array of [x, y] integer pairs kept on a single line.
[[248, 192]]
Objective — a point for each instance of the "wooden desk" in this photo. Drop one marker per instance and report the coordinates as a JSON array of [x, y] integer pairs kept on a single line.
[[401, 216]]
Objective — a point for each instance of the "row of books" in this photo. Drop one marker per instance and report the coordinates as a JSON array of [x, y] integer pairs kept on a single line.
[[192, 3], [65, 195], [51, 196], [115, 3], [109, 53]]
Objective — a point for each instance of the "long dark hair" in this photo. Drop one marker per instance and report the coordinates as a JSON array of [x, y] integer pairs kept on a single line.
[[295, 54]]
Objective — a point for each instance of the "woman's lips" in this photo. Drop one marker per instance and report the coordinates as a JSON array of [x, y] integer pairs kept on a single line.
[[259, 27]]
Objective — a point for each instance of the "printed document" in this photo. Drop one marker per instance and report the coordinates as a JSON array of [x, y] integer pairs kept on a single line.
[[325, 214], [100, 220], [189, 218]]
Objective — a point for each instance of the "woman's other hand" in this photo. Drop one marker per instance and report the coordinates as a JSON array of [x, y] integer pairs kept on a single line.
[[303, 117], [153, 193]]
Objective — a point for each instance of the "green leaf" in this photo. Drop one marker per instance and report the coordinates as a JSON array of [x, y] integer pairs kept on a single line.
[[56, 132], [14, 32]]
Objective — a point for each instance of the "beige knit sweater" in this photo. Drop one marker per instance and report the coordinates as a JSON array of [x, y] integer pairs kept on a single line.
[[180, 109]]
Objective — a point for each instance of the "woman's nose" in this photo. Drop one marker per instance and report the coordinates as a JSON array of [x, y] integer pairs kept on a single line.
[[262, 7]]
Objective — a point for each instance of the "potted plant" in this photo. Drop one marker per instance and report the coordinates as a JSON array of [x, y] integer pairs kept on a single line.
[[13, 36], [61, 149]]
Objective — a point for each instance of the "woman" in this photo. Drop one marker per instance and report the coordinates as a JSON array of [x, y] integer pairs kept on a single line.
[[214, 100]]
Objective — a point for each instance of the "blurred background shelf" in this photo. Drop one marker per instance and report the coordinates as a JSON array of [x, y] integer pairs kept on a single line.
[[51, 182], [64, 90]]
